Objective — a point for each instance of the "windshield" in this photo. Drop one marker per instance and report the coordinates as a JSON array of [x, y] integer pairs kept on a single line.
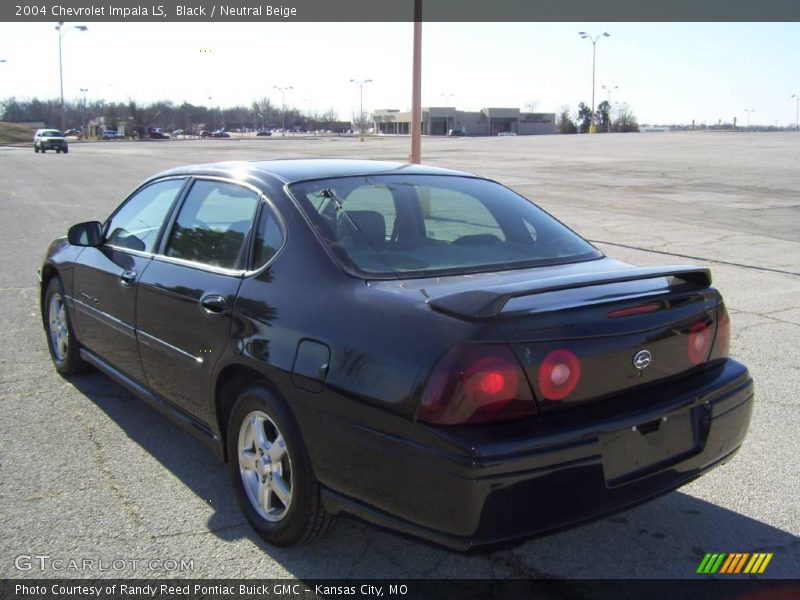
[[52, 133], [417, 225]]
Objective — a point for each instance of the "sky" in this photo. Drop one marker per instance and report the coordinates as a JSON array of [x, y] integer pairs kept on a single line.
[[668, 73]]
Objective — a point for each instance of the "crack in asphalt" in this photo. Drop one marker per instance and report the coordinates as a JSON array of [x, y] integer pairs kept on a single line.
[[128, 505], [702, 258]]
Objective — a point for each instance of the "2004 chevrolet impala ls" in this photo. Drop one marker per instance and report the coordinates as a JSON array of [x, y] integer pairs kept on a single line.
[[419, 347]]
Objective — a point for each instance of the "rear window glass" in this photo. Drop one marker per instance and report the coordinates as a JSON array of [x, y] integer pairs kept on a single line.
[[417, 225]]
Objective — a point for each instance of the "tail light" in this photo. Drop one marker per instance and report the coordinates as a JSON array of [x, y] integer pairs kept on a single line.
[[699, 344], [477, 383], [559, 374], [723, 340]]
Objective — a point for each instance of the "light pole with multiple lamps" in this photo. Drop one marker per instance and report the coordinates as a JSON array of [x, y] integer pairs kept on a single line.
[[609, 89], [283, 90], [83, 127], [62, 31], [447, 98], [796, 111], [749, 111], [594, 39], [361, 83]]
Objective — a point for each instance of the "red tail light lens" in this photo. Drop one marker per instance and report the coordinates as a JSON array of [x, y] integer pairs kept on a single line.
[[700, 337], [723, 340], [473, 384], [559, 374]]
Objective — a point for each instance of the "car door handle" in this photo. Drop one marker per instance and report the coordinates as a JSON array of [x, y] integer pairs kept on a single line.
[[214, 304], [128, 278]]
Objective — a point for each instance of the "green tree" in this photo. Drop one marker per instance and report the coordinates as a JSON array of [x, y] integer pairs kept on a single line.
[[584, 118], [565, 122], [602, 117]]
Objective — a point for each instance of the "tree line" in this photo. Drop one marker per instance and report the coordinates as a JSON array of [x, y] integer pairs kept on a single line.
[[619, 119], [261, 114]]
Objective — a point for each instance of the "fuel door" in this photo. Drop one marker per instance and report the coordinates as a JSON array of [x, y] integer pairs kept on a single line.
[[311, 365]]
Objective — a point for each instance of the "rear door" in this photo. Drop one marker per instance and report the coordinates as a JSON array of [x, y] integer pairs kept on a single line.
[[185, 298], [106, 277]]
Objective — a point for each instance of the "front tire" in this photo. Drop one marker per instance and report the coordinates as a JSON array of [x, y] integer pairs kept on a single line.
[[271, 472], [61, 341], [66, 149]]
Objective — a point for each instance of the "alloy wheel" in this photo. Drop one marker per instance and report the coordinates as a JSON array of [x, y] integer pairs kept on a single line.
[[59, 330], [265, 466]]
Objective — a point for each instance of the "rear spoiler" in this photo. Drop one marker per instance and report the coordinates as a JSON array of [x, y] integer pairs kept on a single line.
[[488, 302]]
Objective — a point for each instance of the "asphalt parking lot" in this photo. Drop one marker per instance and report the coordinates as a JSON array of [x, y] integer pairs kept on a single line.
[[88, 471]]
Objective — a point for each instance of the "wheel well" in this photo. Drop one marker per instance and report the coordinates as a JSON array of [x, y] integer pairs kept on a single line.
[[230, 383]]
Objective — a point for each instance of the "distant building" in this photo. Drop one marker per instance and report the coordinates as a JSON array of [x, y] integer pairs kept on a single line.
[[439, 120]]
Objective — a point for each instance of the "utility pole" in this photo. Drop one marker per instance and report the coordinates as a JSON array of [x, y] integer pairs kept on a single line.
[[416, 88]]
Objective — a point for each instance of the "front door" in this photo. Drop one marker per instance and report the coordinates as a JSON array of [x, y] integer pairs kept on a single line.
[[106, 278]]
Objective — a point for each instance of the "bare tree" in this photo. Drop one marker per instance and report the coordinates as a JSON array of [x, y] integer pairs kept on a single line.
[[361, 123], [142, 116], [625, 120]]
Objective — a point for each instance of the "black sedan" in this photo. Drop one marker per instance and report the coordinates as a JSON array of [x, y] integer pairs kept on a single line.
[[419, 347]]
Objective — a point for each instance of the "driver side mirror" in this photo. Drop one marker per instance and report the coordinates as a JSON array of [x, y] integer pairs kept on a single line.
[[89, 233]]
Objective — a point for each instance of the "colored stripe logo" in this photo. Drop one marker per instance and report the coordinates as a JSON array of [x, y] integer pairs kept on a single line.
[[734, 563]]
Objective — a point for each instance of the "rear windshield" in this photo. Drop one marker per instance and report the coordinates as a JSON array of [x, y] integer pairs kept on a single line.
[[417, 225]]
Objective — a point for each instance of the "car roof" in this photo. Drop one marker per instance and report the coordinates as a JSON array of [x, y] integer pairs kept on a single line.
[[294, 170]]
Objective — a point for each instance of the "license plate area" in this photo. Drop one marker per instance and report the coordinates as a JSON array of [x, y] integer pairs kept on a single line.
[[652, 445]]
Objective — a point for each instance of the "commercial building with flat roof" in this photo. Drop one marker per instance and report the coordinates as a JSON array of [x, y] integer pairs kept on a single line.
[[440, 120]]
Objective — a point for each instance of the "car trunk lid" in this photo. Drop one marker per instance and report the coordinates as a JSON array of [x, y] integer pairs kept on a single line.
[[626, 326]]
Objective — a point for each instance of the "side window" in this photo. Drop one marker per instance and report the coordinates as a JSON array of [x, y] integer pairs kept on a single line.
[[213, 224], [453, 216], [269, 237], [136, 225]]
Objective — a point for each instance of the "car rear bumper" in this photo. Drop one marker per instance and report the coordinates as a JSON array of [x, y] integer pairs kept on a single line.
[[463, 488]]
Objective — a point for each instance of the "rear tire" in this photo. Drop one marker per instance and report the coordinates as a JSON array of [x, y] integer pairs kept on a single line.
[[271, 472], [65, 351]]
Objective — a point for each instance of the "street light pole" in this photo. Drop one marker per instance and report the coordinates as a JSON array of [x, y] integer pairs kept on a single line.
[[62, 31], [797, 111], [447, 99], [594, 39], [361, 83], [609, 89], [748, 111], [211, 112], [83, 129], [283, 91]]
